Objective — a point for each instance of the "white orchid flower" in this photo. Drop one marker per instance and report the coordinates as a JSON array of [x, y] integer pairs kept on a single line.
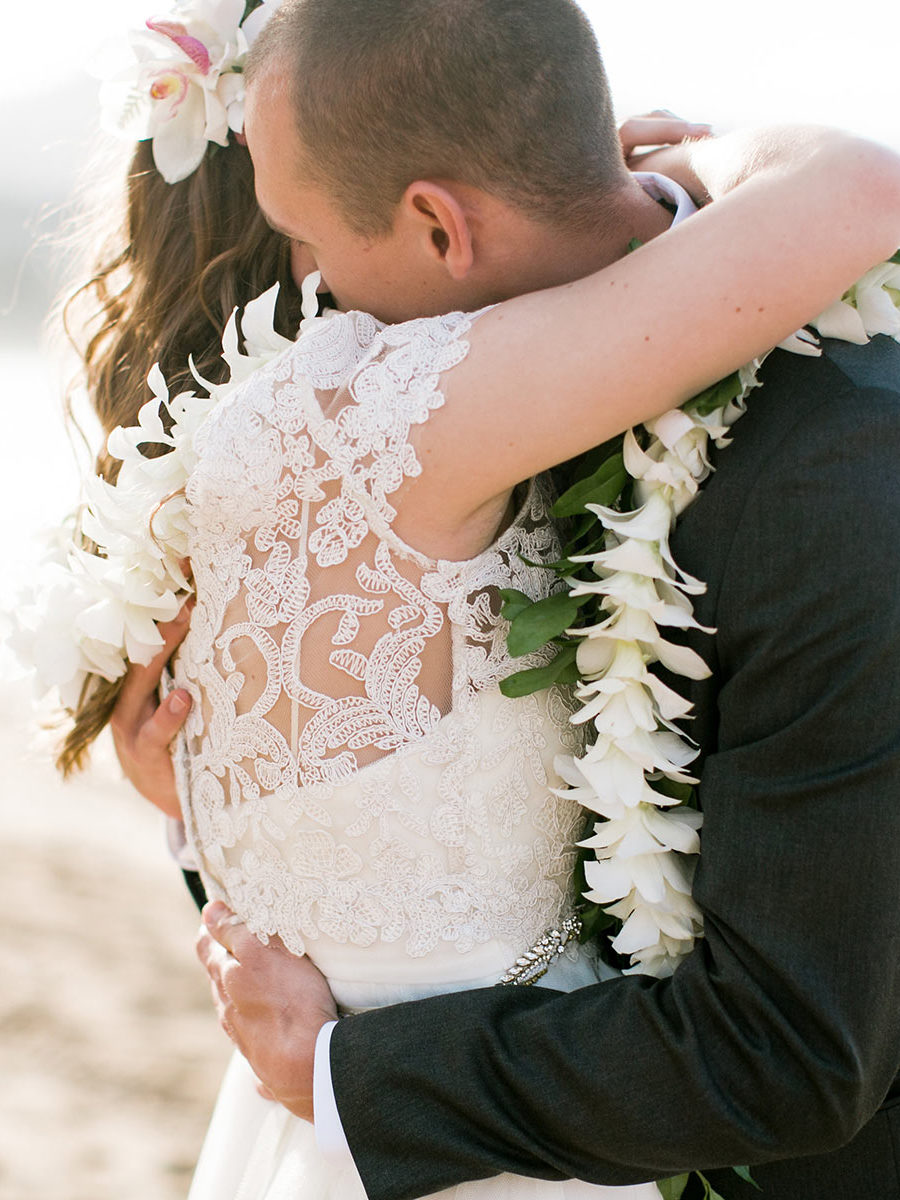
[[253, 25], [126, 608], [657, 468], [42, 634], [91, 614], [651, 559], [802, 342], [657, 935], [653, 877], [605, 783], [617, 709], [646, 830], [652, 522], [611, 765], [842, 321], [877, 297], [185, 88], [634, 625], [870, 307]]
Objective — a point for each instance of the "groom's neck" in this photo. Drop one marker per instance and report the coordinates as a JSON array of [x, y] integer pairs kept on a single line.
[[534, 256]]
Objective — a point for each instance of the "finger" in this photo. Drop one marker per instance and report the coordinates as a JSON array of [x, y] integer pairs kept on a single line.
[[219, 966], [141, 682], [218, 1000], [225, 1014], [203, 946], [211, 952], [662, 124], [659, 131], [157, 732], [228, 930]]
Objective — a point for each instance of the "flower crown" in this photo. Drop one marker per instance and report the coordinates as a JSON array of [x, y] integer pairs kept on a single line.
[[186, 87]]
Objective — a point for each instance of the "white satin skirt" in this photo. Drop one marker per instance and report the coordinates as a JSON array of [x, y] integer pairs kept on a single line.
[[257, 1150]]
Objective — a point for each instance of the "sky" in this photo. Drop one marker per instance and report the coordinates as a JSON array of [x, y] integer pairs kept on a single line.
[[769, 60], [710, 59]]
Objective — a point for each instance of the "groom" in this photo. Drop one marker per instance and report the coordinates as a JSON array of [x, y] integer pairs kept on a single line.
[[777, 1042]]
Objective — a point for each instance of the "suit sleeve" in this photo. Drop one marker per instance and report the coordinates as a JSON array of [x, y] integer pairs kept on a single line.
[[780, 1035]]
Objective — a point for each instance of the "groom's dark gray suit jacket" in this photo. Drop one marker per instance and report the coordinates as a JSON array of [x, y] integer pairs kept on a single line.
[[777, 1042]]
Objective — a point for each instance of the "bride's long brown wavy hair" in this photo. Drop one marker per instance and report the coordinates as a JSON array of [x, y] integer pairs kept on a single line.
[[161, 288]]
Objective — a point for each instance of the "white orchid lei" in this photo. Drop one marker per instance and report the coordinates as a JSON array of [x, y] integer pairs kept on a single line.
[[90, 614], [623, 589], [185, 87]]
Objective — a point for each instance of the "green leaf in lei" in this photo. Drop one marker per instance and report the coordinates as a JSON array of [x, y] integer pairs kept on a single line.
[[709, 1192], [587, 463], [562, 567], [895, 258], [684, 793], [603, 487], [675, 1188], [744, 1172], [671, 1189], [717, 396], [593, 922], [533, 627], [514, 601], [562, 669]]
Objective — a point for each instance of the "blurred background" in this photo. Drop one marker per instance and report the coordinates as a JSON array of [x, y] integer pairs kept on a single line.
[[109, 1052]]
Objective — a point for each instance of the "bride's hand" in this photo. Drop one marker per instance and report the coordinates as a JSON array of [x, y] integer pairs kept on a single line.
[[657, 128], [142, 728]]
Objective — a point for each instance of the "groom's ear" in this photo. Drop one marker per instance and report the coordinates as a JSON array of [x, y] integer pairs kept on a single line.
[[442, 223]]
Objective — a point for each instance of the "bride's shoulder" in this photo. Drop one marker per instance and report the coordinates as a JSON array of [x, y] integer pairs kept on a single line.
[[330, 350], [326, 351], [432, 340], [347, 372], [404, 362]]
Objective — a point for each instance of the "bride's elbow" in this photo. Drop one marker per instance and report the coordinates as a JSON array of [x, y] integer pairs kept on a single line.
[[871, 173]]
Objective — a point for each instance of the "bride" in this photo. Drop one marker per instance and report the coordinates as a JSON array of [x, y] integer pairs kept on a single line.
[[352, 780]]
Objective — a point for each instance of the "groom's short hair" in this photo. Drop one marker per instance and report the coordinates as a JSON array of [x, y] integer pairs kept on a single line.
[[507, 95]]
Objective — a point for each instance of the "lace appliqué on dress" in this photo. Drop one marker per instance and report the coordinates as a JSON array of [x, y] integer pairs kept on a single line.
[[352, 772]]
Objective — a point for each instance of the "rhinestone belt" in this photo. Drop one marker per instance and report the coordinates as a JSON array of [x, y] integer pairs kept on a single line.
[[535, 963]]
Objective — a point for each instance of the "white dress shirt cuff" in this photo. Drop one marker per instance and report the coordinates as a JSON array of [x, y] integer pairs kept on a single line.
[[330, 1136], [178, 845], [661, 187]]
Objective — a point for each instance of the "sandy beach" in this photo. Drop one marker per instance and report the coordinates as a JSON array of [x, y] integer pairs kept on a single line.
[[110, 1054]]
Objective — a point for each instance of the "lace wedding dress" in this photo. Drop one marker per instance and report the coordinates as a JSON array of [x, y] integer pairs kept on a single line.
[[351, 776]]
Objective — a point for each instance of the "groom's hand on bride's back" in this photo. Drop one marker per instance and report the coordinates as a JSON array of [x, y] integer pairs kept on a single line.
[[143, 729], [271, 1003]]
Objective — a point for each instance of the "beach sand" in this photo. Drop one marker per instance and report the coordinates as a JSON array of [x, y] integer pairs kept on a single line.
[[110, 1054]]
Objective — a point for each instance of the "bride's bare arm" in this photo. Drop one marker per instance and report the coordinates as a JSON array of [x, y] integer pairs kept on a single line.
[[553, 373], [708, 168]]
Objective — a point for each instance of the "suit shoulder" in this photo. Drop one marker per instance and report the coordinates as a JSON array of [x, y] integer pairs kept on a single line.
[[842, 375], [818, 444], [817, 400], [873, 367]]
